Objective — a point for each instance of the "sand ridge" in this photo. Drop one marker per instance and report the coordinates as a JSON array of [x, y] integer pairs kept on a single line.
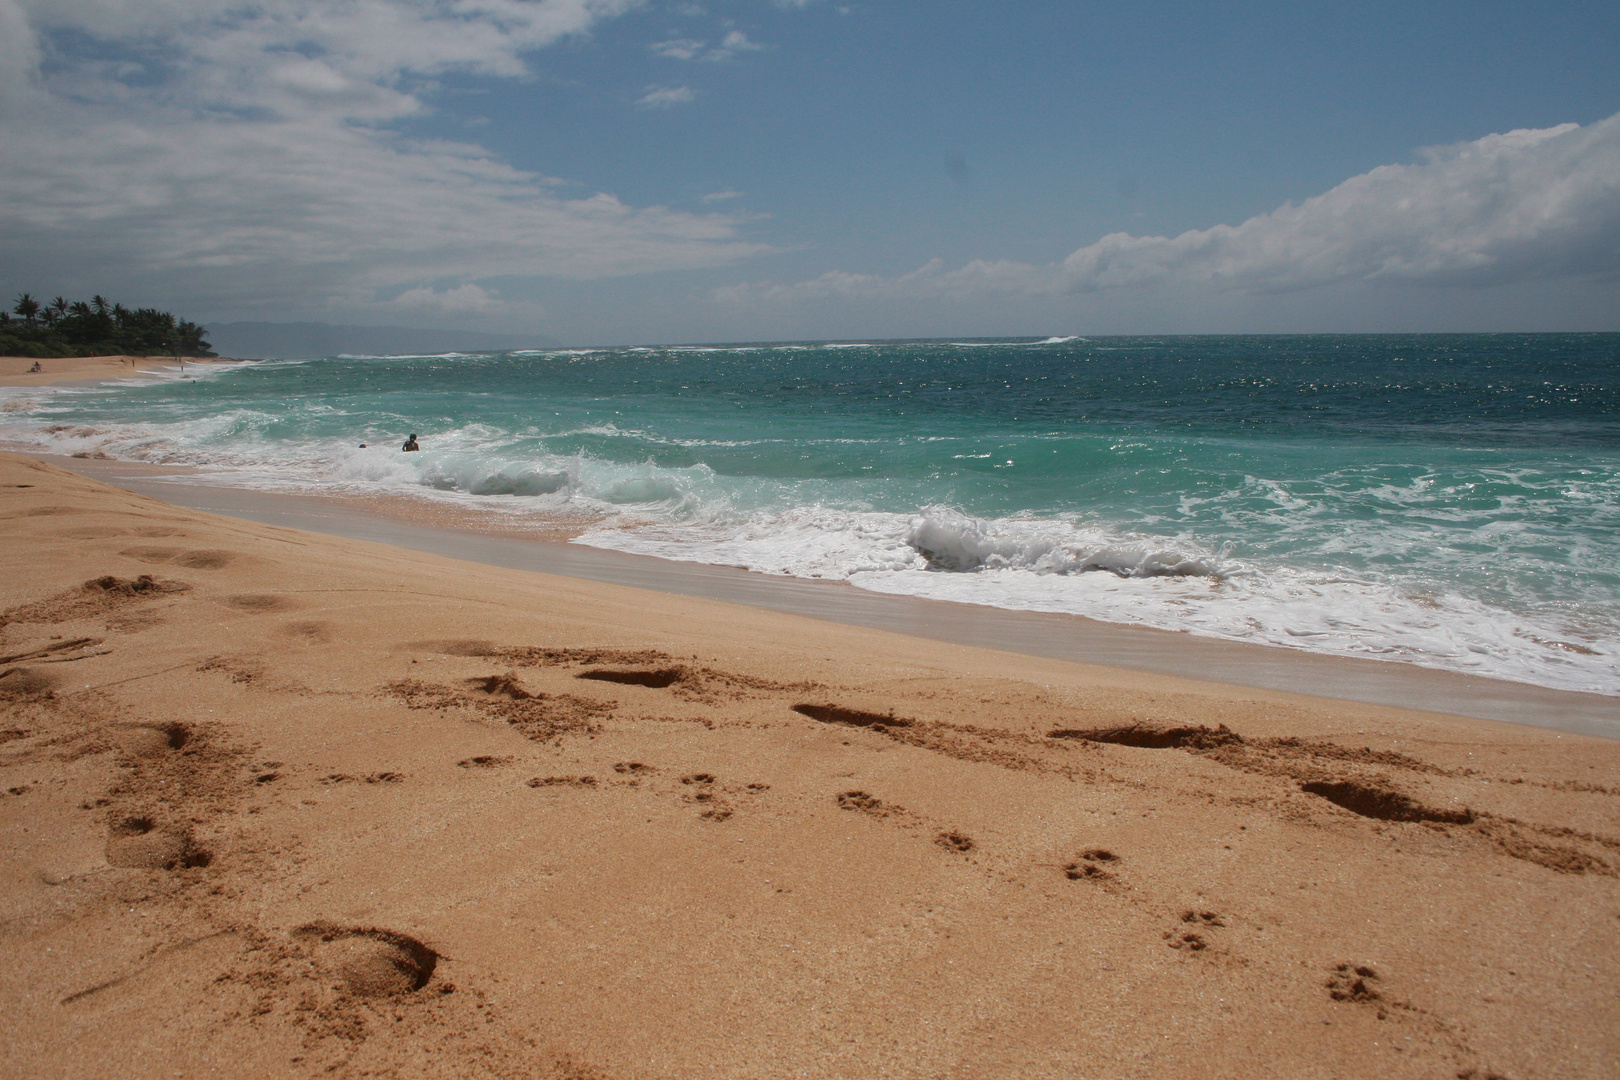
[[280, 803]]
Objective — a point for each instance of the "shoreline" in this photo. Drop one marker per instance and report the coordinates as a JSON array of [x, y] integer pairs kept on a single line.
[[67, 370], [284, 803], [424, 525], [1072, 638]]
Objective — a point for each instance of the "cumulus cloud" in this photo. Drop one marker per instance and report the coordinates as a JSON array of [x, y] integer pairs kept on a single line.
[[249, 155], [665, 97], [1525, 205]]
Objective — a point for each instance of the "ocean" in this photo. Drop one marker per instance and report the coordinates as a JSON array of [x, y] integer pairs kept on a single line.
[[1449, 501]]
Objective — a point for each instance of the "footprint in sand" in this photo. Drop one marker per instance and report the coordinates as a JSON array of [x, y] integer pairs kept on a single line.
[[150, 554], [1354, 982], [137, 841], [196, 560], [369, 962], [705, 794], [1192, 935], [97, 598], [658, 680], [261, 603], [563, 781], [206, 559], [26, 684], [1382, 803], [152, 740], [1093, 865], [484, 761], [308, 632], [838, 714], [872, 806], [1154, 737], [634, 771]]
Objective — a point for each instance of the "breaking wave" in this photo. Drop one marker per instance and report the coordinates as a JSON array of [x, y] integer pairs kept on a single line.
[[1497, 559]]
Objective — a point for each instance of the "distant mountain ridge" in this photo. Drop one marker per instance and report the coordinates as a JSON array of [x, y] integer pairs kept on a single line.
[[270, 340]]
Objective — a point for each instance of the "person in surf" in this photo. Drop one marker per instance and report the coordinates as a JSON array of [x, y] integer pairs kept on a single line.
[[410, 444]]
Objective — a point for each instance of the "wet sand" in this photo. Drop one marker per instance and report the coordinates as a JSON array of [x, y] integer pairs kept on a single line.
[[286, 803], [517, 543]]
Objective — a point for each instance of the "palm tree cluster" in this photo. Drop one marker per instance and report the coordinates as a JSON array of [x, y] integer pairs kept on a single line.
[[95, 328]]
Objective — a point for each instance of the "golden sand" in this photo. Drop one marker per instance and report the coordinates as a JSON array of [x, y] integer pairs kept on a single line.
[[279, 803]]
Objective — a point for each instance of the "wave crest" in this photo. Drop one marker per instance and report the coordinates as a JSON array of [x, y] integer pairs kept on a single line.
[[951, 540]]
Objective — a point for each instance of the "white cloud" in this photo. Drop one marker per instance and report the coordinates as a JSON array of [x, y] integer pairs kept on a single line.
[[242, 156], [679, 48], [665, 97], [1527, 205], [722, 196], [733, 43]]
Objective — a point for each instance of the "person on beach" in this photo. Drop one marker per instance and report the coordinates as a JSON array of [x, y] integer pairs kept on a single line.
[[36, 369], [410, 444]]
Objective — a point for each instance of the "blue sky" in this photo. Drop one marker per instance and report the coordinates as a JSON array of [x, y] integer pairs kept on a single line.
[[610, 171]]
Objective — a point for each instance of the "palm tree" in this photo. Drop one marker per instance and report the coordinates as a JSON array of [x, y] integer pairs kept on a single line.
[[27, 307], [60, 306], [80, 309], [99, 302]]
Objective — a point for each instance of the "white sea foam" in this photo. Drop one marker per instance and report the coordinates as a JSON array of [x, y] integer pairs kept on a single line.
[[1171, 583], [1012, 344], [406, 356]]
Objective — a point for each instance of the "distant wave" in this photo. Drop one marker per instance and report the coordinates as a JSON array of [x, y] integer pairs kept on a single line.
[[1014, 344]]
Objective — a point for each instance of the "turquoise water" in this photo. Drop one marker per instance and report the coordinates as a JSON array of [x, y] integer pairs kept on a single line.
[[1451, 501]]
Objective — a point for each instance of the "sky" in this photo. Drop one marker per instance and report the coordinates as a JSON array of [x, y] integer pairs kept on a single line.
[[655, 171]]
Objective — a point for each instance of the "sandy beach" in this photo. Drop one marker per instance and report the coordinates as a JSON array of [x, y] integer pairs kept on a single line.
[[809, 541], [15, 370], [283, 803]]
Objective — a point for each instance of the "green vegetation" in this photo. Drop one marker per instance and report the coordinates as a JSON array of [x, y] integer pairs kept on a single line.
[[96, 328]]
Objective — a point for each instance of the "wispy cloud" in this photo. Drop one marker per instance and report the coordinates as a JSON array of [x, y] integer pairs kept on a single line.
[[665, 97], [245, 156], [1519, 206], [735, 42], [680, 48], [729, 46], [722, 196]]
